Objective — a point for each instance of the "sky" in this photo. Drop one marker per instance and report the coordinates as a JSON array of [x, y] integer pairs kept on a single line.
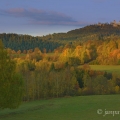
[[42, 17]]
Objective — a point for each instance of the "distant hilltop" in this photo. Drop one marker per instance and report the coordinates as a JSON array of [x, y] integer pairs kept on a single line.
[[114, 23]]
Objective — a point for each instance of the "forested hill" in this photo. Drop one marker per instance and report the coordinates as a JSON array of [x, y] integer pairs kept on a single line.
[[96, 32], [52, 41], [105, 29], [26, 42]]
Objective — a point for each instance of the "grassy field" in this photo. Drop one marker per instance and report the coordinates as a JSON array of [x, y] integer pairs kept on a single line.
[[108, 68], [68, 108]]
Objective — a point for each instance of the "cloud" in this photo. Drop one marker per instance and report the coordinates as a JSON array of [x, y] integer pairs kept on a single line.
[[41, 17]]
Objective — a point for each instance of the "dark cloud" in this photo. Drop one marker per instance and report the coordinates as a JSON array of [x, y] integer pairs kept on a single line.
[[36, 16]]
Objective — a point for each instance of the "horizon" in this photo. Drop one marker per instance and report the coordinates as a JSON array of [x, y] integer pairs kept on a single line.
[[116, 22], [40, 18]]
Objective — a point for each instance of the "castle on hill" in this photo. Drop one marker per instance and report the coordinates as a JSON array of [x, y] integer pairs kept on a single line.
[[114, 23]]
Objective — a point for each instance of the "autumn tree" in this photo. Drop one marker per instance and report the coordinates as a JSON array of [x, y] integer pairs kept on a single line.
[[11, 84], [96, 85]]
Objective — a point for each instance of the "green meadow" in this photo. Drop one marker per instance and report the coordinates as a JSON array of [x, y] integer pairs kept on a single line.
[[67, 108], [107, 68]]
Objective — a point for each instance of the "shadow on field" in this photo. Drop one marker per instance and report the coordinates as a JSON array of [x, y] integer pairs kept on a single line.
[[27, 110]]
